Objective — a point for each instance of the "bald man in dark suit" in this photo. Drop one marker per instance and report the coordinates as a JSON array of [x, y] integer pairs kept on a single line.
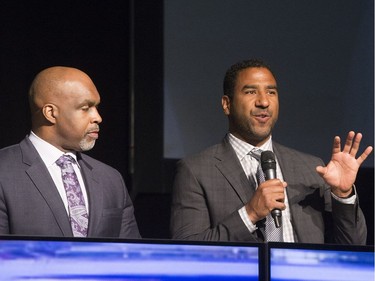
[[33, 194], [218, 195]]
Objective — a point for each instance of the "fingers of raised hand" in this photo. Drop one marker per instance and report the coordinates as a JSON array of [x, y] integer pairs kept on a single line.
[[349, 142], [364, 155], [336, 145], [354, 145]]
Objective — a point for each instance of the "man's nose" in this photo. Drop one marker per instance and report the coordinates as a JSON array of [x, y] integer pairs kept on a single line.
[[262, 100], [97, 118]]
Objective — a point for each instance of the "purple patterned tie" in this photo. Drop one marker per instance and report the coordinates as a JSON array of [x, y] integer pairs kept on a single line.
[[76, 203], [272, 232]]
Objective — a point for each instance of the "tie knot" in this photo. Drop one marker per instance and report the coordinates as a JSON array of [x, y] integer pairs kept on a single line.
[[64, 160], [256, 152]]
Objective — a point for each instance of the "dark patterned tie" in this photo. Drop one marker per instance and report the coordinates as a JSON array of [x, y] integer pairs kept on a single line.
[[272, 232], [76, 203]]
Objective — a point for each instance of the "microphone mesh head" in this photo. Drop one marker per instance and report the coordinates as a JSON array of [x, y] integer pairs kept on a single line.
[[267, 160]]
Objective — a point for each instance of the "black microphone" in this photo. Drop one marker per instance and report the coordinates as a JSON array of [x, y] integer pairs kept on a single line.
[[268, 162]]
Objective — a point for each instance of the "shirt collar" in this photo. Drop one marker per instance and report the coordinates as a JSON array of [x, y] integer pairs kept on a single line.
[[47, 151], [242, 148]]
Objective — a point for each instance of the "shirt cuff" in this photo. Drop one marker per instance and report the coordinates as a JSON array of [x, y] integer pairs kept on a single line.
[[245, 218], [350, 200]]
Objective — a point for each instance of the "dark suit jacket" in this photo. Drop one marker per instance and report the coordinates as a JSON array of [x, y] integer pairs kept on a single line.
[[31, 205], [210, 188]]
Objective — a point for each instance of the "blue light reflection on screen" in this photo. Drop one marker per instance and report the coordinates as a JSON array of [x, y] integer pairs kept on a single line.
[[66, 260], [321, 265]]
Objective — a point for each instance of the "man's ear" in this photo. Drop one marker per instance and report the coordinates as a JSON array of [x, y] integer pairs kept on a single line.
[[50, 112], [225, 103]]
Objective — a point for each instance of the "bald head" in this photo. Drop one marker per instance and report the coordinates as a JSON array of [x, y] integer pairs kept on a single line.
[[63, 103], [48, 85]]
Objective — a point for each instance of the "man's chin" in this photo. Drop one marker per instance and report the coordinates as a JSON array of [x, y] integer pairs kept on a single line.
[[86, 145], [260, 137]]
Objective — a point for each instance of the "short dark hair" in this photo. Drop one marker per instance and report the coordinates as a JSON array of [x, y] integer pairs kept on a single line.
[[232, 73]]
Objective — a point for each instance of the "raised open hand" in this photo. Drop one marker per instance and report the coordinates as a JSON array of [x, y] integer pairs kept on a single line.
[[341, 172]]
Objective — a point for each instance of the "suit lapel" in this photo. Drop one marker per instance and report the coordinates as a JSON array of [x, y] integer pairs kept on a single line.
[[287, 167], [231, 168], [94, 193], [42, 181], [294, 191]]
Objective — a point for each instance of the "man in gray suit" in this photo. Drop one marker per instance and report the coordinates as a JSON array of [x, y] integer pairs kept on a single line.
[[218, 196], [84, 198]]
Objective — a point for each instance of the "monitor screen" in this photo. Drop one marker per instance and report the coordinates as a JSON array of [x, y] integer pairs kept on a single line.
[[86, 259], [309, 262]]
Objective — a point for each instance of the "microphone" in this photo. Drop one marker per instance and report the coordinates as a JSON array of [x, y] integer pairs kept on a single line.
[[268, 163]]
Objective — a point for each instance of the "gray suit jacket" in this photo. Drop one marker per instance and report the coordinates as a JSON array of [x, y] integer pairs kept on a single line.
[[210, 188], [31, 205]]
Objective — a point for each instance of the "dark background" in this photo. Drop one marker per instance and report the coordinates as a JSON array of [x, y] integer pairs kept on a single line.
[[121, 46]]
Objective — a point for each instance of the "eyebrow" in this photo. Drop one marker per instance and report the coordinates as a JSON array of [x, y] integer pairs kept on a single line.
[[274, 87], [88, 102]]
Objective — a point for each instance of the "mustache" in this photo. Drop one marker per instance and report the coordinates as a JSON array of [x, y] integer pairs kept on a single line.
[[262, 112], [93, 129]]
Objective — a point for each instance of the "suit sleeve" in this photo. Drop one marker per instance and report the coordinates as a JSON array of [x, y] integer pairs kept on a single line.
[[4, 222], [195, 208], [349, 225]]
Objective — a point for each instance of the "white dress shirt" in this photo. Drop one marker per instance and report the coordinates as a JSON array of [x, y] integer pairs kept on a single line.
[[49, 155]]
